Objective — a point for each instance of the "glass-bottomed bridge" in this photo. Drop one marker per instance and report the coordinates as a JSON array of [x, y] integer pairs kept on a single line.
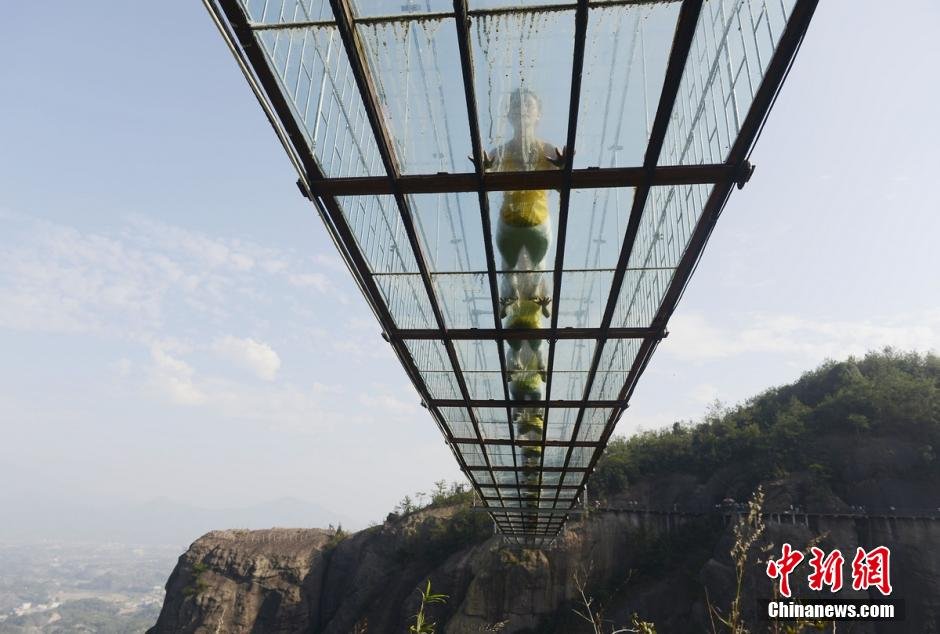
[[521, 190]]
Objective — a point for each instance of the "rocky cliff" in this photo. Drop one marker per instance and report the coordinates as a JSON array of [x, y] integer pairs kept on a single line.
[[657, 565]]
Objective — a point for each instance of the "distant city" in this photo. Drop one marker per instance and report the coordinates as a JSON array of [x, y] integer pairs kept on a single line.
[[69, 568], [61, 587]]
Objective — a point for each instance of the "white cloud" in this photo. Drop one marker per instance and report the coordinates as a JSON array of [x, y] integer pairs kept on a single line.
[[384, 403], [319, 281], [254, 356], [333, 262], [693, 338], [143, 281], [172, 378], [319, 408], [704, 393]]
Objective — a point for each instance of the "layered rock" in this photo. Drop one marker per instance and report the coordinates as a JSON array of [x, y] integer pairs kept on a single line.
[[656, 565]]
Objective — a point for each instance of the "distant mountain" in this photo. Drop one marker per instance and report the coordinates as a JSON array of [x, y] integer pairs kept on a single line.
[[158, 521]]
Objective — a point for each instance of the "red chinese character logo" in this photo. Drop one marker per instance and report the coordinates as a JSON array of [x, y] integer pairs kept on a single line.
[[872, 569], [783, 567], [826, 570]]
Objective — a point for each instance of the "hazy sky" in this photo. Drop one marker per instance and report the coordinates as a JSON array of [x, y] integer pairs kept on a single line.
[[174, 320]]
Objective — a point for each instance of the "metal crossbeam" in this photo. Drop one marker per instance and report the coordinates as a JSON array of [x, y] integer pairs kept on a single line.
[[531, 443], [475, 402], [585, 178], [490, 334]]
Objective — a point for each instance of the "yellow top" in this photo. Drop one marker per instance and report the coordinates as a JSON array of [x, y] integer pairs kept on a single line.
[[524, 208], [527, 380], [527, 313]]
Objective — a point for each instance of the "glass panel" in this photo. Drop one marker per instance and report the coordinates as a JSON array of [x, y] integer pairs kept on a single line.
[[667, 224], [733, 44], [450, 231], [560, 423], [317, 80], [407, 301], [495, 431], [454, 414], [640, 297], [416, 68], [441, 384], [607, 385], [625, 58], [573, 478], [569, 374], [500, 456], [555, 456], [479, 361], [491, 415], [614, 365], [465, 299], [584, 298], [457, 420], [284, 11], [580, 458], [598, 223], [568, 385], [429, 354], [461, 429], [472, 454], [523, 86], [593, 424], [484, 385], [574, 354], [377, 226], [476, 355], [482, 477]]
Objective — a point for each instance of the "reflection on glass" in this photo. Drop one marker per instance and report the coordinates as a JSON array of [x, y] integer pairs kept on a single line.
[[523, 238], [532, 50]]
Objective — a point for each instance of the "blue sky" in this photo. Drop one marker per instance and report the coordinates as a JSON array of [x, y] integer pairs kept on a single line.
[[175, 322]]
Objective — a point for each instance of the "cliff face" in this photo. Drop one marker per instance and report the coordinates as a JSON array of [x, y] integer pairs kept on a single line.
[[656, 565], [246, 581]]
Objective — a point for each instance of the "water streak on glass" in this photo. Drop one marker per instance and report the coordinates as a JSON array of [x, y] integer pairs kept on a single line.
[[416, 70], [624, 67]]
